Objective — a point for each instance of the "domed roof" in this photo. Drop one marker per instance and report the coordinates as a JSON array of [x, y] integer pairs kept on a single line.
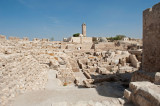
[[102, 39]]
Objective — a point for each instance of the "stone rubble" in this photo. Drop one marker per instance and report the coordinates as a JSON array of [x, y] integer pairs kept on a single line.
[[144, 88], [24, 65]]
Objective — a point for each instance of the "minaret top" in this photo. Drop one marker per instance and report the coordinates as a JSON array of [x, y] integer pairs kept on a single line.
[[83, 23]]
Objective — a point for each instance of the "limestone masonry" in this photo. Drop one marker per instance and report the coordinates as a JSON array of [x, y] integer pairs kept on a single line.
[[25, 64], [151, 38], [144, 89], [83, 71], [84, 29]]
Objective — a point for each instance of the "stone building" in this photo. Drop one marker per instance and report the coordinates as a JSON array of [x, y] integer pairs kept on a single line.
[[125, 39], [82, 37]]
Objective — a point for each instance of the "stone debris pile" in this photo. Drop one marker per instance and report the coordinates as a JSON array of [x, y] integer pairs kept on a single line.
[[24, 65]]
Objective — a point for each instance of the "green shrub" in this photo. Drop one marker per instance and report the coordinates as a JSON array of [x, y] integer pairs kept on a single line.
[[117, 37], [76, 35]]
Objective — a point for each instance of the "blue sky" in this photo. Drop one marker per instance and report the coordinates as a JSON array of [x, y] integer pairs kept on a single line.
[[63, 18]]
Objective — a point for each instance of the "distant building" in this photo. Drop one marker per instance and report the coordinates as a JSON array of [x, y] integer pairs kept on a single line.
[[82, 37], [102, 39], [125, 39]]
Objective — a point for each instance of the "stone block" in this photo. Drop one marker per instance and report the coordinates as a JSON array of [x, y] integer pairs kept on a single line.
[[134, 61], [127, 94], [157, 78], [143, 76], [87, 75], [143, 93]]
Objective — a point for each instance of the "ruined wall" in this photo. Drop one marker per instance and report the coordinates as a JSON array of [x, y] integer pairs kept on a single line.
[[86, 39], [2, 37], [76, 39], [14, 38], [141, 91], [106, 46], [19, 73], [151, 39]]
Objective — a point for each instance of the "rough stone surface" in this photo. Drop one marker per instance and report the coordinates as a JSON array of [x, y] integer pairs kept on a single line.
[[151, 38], [26, 66], [143, 93], [134, 61], [157, 78]]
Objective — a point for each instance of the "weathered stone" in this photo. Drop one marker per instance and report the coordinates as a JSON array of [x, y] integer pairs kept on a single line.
[[127, 94], [74, 65], [134, 61], [144, 94], [151, 38], [2, 37], [87, 75], [143, 76], [157, 78]]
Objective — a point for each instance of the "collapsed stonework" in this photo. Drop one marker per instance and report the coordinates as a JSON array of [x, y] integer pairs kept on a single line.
[[82, 63], [25, 64]]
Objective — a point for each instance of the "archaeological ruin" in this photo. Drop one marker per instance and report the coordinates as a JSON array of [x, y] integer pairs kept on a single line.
[[144, 89], [83, 71]]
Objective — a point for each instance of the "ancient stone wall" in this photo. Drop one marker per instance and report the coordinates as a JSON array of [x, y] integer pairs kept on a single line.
[[143, 93], [76, 39], [106, 46], [151, 39], [80, 39], [20, 73], [86, 39], [14, 38], [2, 37]]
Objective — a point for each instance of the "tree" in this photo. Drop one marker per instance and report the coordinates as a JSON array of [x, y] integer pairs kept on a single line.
[[117, 37], [76, 35], [120, 37], [52, 39]]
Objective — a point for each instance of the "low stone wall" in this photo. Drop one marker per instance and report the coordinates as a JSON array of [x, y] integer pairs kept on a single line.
[[2, 37], [79, 39], [106, 46], [14, 38], [153, 77], [86, 40]]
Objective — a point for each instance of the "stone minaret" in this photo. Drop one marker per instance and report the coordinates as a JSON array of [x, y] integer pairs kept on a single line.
[[84, 29]]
